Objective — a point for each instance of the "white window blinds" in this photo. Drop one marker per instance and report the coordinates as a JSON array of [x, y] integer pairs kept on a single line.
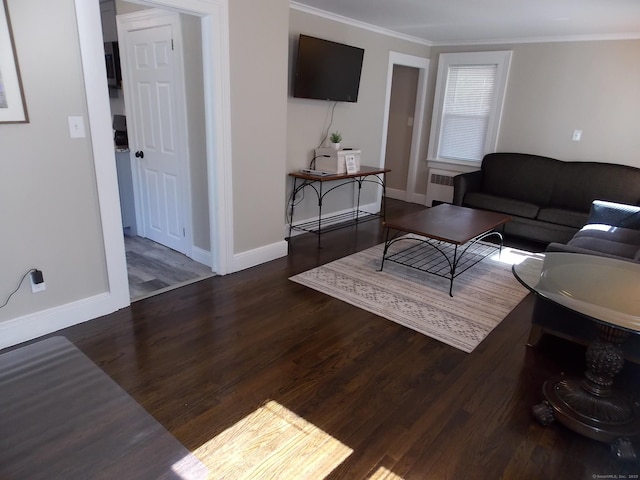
[[469, 97]]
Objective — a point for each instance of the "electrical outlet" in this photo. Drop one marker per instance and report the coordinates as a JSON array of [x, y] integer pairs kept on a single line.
[[37, 281]]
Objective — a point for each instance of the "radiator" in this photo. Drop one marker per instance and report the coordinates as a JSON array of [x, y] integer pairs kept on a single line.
[[440, 186]]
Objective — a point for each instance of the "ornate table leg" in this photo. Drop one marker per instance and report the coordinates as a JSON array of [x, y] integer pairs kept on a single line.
[[591, 406]]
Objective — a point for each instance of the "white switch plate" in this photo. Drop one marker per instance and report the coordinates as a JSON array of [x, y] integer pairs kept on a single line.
[[76, 127], [577, 135]]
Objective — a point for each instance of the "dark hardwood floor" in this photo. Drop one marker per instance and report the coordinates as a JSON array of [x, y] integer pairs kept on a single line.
[[255, 374]]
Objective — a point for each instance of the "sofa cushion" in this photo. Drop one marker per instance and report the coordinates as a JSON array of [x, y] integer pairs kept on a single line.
[[617, 214], [622, 242], [577, 184], [563, 217], [561, 247], [605, 246], [617, 234], [519, 176], [533, 229], [500, 204]]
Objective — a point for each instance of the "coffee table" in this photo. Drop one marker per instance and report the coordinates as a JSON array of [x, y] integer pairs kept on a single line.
[[448, 240], [606, 291]]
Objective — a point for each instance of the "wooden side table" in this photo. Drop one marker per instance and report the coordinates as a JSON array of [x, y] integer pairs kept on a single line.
[[317, 184]]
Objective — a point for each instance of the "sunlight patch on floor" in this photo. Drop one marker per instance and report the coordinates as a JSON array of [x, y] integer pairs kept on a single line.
[[272, 442], [512, 256], [384, 474]]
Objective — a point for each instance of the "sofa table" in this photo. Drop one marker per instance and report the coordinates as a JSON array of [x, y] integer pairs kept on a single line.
[[606, 291], [303, 180]]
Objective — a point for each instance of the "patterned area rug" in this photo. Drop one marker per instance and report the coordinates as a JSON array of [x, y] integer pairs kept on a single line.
[[482, 296]]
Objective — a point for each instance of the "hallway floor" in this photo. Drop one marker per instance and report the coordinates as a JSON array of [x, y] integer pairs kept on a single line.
[[154, 268]]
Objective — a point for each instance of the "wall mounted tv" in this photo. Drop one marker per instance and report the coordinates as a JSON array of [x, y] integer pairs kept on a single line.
[[327, 70]]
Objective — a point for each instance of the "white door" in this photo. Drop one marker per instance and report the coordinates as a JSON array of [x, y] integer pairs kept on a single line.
[[158, 143]]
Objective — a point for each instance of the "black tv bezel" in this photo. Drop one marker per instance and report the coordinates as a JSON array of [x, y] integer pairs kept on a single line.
[[299, 90]]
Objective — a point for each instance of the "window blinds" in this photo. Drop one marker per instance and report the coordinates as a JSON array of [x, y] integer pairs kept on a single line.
[[467, 107]]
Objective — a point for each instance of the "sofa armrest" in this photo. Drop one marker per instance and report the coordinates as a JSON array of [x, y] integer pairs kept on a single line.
[[466, 182], [615, 214]]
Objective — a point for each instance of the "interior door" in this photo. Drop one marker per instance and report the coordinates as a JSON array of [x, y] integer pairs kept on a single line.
[[157, 142]]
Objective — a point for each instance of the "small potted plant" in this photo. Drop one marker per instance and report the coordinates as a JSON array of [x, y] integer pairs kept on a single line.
[[335, 138]]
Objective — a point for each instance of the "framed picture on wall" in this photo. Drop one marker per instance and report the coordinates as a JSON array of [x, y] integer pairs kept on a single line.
[[13, 108]]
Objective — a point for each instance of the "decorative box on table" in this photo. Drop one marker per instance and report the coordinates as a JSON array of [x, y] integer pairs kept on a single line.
[[335, 161]]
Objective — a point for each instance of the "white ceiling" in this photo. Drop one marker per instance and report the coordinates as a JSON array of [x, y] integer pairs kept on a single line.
[[440, 22]]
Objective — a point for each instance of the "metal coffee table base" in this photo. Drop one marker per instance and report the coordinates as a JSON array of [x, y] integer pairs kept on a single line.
[[438, 257]]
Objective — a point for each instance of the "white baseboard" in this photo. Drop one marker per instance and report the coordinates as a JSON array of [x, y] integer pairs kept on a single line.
[[371, 207], [395, 193], [419, 198], [28, 327], [327, 219], [251, 258], [202, 256]]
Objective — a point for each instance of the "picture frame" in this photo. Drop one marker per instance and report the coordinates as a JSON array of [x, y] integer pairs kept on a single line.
[[13, 108], [351, 164]]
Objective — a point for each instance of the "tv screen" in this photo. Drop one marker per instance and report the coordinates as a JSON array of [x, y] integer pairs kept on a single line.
[[327, 70]]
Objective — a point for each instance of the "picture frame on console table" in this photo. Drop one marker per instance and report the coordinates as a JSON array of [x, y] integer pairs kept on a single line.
[[13, 108], [351, 164]]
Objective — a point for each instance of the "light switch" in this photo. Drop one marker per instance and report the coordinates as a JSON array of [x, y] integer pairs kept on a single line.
[[577, 135], [76, 127]]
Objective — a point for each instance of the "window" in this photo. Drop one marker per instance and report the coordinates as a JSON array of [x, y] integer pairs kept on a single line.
[[470, 89]]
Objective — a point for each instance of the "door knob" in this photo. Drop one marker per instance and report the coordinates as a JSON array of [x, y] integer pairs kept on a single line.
[[139, 154]]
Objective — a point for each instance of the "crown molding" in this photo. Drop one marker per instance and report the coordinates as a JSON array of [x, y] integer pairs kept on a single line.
[[356, 23], [492, 41], [550, 39]]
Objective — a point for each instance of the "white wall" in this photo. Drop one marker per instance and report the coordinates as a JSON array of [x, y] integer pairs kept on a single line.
[[360, 123], [258, 51], [555, 88], [48, 196]]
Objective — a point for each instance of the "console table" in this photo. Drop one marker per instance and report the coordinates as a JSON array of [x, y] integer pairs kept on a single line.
[[317, 184]]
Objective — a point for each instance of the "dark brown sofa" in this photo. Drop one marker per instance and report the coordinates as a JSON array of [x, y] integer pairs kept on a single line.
[[548, 200]]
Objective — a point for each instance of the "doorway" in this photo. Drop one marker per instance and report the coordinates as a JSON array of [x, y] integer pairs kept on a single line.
[[403, 124], [402, 106], [213, 15], [163, 187]]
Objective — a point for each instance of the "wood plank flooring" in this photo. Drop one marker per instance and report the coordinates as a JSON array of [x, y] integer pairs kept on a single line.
[[263, 378], [153, 268]]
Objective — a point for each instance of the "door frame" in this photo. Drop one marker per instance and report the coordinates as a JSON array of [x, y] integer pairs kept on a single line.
[[215, 42], [422, 64], [150, 19]]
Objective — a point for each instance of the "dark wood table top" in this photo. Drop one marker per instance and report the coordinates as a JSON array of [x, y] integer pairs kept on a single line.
[[363, 172], [449, 223]]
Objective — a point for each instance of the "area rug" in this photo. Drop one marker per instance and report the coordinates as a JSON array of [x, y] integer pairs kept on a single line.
[[482, 296], [62, 417]]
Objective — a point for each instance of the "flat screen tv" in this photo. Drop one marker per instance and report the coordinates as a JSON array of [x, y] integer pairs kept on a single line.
[[327, 70]]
